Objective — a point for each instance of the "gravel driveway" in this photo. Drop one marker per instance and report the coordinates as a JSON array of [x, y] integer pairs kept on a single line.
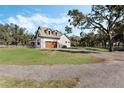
[[109, 73]]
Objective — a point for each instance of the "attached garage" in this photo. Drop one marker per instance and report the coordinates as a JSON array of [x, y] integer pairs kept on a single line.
[[50, 44]]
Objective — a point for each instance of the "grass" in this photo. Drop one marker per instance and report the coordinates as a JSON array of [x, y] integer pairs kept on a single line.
[[96, 49], [28, 56], [8, 82], [70, 83]]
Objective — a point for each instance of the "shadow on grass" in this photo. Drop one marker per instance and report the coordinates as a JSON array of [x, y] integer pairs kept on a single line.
[[72, 51], [84, 52]]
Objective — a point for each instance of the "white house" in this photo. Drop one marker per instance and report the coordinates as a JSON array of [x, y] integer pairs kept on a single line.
[[49, 38]]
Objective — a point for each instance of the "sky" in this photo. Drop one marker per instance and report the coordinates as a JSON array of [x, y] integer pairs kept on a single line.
[[33, 16]]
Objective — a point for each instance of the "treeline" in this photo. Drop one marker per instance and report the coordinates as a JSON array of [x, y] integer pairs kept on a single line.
[[96, 39], [12, 34]]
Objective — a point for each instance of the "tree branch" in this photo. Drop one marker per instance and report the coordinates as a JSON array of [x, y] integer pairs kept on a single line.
[[99, 25]]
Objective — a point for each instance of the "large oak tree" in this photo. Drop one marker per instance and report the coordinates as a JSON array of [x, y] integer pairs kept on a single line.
[[106, 18]]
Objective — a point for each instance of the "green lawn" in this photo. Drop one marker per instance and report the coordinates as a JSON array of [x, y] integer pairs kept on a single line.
[[25, 56], [96, 49], [9, 82]]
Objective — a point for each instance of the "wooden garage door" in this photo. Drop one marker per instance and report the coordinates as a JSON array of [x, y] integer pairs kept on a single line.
[[50, 44]]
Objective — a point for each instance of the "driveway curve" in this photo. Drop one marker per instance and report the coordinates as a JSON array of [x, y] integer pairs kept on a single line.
[[109, 73]]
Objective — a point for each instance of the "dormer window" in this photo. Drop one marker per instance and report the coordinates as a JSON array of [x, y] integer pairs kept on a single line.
[[49, 32], [56, 33], [45, 32]]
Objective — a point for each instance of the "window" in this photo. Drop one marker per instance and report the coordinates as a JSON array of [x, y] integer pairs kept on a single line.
[[38, 43], [49, 32], [56, 33], [45, 32], [65, 41], [68, 42]]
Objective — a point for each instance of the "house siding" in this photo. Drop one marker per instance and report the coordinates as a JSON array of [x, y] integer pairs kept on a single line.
[[64, 41], [36, 43]]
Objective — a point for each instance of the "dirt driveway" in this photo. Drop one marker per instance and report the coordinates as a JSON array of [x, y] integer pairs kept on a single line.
[[109, 73]]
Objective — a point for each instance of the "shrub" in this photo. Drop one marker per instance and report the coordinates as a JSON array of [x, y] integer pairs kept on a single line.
[[64, 46]]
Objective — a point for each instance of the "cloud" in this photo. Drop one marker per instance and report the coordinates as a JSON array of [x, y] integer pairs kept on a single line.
[[37, 9], [25, 12], [22, 21], [47, 20], [32, 22]]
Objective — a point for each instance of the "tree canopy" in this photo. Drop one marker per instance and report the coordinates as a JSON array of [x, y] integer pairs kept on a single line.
[[106, 18], [12, 34]]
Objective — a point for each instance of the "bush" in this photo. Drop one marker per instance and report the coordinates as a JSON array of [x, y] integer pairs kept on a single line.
[[64, 46]]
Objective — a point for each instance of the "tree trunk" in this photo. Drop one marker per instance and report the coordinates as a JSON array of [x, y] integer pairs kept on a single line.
[[7, 43], [104, 44], [110, 42], [118, 44]]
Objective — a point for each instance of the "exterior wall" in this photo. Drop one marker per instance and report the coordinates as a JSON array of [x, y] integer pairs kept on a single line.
[[64, 41], [43, 40], [60, 42], [36, 42]]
